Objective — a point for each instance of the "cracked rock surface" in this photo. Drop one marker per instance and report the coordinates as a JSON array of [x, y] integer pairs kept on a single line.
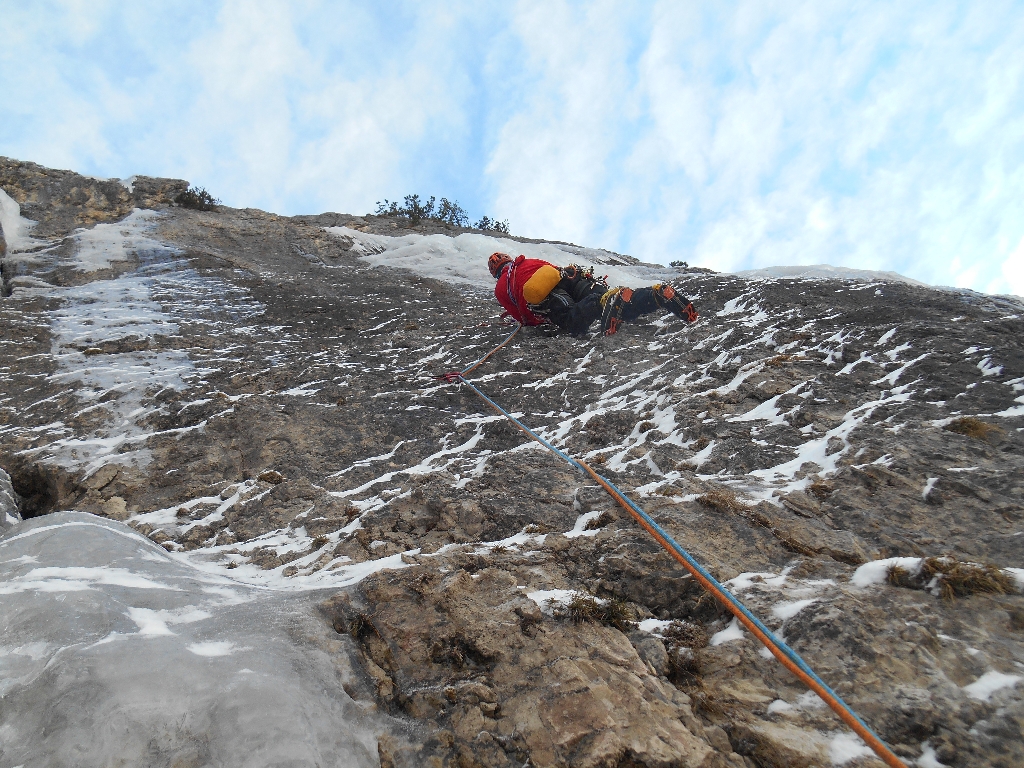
[[258, 396]]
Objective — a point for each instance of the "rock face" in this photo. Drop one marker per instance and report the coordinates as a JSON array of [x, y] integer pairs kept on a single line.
[[258, 396]]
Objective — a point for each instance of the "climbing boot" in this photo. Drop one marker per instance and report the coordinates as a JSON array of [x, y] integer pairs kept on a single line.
[[611, 314], [669, 298]]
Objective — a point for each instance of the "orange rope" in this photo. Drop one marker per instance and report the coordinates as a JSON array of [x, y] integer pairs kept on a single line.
[[707, 581]]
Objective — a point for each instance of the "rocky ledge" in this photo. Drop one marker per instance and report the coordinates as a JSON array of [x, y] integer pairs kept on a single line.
[[253, 404]]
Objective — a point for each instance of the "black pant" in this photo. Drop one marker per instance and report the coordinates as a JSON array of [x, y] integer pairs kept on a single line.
[[573, 304]]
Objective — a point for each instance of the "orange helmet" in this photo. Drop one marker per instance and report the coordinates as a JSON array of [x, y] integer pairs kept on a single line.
[[495, 263]]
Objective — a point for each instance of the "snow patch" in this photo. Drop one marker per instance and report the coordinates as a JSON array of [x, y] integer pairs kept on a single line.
[[877, 571], [788, 610], [992, 681], [845, 747], [217, 648], [732, 632]]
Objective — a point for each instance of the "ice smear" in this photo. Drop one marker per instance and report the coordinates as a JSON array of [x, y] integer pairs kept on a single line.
[[817, 451], [463, 259], [16, 228], [102, 332], [71, 579], [845, 747], [104, 244], [992, 681], [217, 648], [184, 642], [149, 621], [825, 272]]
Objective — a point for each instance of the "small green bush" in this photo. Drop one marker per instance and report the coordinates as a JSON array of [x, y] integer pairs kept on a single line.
[[198, 199], [487, 223], [447, 212]]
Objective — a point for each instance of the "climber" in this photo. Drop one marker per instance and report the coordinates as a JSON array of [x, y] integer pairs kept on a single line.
[[535, 292]]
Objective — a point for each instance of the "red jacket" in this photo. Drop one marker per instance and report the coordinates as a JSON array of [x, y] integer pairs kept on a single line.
[[513, 280]]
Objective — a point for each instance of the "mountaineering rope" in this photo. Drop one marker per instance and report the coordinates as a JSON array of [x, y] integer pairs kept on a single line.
[[778, 648]]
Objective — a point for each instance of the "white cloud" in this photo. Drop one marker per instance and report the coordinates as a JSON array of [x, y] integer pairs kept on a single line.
[[1013, 272], [878, 135]]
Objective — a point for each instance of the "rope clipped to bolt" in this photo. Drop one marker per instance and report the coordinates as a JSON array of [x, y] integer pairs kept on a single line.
[[789, 658]]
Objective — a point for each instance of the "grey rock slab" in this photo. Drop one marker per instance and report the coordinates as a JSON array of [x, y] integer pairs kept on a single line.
[[114, 652]]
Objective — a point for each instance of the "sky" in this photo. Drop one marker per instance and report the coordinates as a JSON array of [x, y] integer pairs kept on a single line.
[[731, 135]]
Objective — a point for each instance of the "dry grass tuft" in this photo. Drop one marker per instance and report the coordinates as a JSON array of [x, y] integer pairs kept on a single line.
[[821, 489], [958, 579], [617, 613], [599, 522], [586, 608], [686, 633], [583, 607], [899, 577], [722, 500], [973, 427], [952, 578]]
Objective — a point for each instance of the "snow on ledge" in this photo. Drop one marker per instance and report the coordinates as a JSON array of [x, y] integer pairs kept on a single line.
[[992, 681], [877, 571]]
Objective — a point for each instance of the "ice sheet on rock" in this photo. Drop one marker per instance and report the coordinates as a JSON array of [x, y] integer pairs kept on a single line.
[[102, 245], [248, 677], [9, 516], [825, 272], [16, 228], [819, 453], [104, 330], [463, 259]]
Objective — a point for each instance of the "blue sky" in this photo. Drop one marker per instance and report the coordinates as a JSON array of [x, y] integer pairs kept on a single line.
[[732, 135]]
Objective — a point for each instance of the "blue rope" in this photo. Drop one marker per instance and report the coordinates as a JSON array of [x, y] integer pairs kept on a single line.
[[779, 643]]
